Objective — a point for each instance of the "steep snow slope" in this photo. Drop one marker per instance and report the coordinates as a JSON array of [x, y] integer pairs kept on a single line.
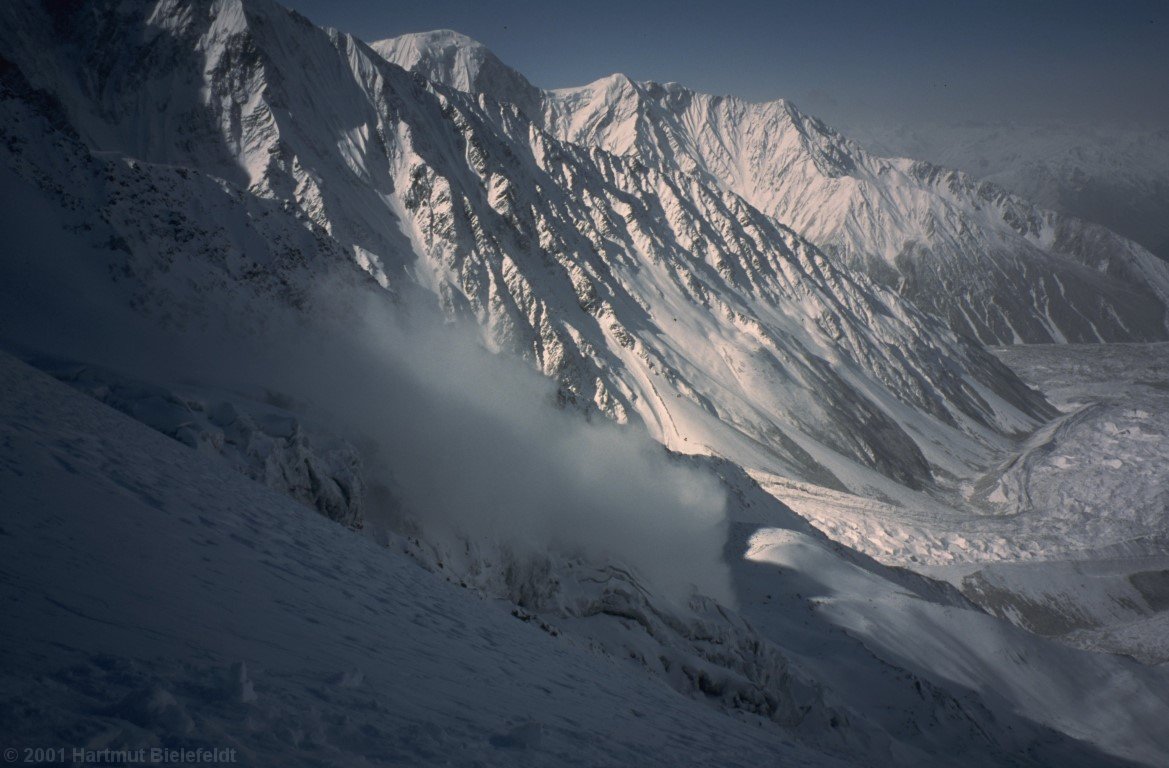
[[650, 294], [211, 164], [256, 435], [958, 248], [1024, 273], [246, 621], [1115, 175], [152, 597], [1010, 669], [446, 56]]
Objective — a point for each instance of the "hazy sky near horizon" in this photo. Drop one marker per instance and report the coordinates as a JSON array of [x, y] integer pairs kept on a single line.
[[851, 60]]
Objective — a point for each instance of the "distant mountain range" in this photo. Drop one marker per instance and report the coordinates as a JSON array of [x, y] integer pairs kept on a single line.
[[1115, 175]]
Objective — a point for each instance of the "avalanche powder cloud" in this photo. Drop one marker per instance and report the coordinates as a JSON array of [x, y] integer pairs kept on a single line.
[[474, 444], [470, 442]]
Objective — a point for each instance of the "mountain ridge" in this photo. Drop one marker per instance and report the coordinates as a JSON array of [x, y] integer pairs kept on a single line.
[[224, 183], [649, 295], [957, 247]]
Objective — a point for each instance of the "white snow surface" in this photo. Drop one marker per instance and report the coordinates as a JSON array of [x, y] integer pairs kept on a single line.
[[277, 151], [186, 169], [156, 597], [1115, 174], [152, 596], [958, 247], [1053, 535], [1089, 485], [1095, 479]]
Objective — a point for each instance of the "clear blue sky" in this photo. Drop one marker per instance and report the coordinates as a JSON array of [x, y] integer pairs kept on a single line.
[[845, 59]]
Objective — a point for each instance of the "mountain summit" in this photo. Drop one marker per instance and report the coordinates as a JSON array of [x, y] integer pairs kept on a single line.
[[992, 265], [446, 56], [648, 293]]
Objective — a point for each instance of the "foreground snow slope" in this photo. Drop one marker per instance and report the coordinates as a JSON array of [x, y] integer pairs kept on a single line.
[[957, 247], [137, 573], [1091, 696], [154, 596]]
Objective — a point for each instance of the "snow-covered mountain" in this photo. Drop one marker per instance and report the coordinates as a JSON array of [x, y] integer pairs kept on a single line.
[[650, 294], [202, 191], [1115, 175], [959, 248]]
